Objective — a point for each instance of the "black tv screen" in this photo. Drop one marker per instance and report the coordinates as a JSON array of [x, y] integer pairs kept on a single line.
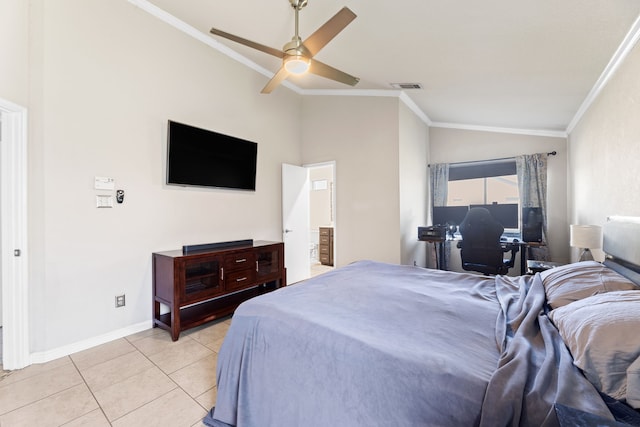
[[205, 158]]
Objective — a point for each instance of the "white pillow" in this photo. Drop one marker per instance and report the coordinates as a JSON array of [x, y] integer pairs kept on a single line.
[[573, 282], [601, 332], [633, 384]]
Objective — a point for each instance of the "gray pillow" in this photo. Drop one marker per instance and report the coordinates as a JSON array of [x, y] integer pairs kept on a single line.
[[572, 282], [601, 332]]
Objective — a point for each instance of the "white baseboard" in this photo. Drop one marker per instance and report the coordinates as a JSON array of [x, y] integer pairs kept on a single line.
[[49, 355]]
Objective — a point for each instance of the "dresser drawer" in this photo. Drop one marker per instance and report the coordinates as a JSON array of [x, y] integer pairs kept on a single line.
[[239, 279], [325, 259], [326, 231], [324, 240], [239, 261]]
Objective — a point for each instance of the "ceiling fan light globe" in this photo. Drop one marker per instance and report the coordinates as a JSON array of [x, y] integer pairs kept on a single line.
[[296, 64]]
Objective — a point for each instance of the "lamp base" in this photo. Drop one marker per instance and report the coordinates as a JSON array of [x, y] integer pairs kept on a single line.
[[586, 255]]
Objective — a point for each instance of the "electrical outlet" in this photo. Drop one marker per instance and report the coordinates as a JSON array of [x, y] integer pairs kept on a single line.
[[120, 301]]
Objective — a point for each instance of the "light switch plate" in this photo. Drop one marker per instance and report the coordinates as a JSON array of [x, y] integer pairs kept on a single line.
[[104, 183], [104, 201]]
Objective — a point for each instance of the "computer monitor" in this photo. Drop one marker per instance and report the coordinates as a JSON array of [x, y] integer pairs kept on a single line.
[[452, 215], [506, 213], [532, 224]]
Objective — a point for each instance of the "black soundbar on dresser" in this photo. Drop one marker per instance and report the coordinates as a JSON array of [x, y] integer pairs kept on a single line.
[[204, 247]]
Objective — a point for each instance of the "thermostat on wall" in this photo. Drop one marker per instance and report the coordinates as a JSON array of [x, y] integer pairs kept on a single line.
[[104, 183]]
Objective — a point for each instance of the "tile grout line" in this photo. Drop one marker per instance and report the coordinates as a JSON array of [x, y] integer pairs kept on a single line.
[[90, 391], [177, 386], [194, 400]]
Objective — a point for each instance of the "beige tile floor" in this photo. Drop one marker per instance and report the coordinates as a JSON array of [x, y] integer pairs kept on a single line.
[[140, 380], [317, 269]]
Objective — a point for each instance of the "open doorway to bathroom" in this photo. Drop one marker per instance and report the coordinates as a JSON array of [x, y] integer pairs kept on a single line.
[[322, 214]]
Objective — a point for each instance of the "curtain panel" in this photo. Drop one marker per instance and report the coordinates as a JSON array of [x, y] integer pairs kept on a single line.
[[439, 174], [439, 177], [532, 184]]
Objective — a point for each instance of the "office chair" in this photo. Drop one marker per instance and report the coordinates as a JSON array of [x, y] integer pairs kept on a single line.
[[481, 249]]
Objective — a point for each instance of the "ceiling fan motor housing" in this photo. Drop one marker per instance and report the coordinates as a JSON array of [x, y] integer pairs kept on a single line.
[[297, 57], [298, 4]]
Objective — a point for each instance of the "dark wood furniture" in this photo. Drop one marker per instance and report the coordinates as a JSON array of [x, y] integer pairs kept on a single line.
[[325, 248], [534, 266], [202, 286]]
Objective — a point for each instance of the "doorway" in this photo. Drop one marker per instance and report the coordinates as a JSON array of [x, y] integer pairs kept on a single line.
[[308, 205], [13, 235], [322, 215]]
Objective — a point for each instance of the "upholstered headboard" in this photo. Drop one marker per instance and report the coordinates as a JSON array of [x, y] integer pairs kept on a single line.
[[621, 243]]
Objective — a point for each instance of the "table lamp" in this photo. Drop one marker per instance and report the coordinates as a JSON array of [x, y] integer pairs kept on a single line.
[[585, 237]]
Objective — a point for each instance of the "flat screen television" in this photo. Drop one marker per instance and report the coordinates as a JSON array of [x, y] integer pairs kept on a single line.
[[203, 158], [505, 213]]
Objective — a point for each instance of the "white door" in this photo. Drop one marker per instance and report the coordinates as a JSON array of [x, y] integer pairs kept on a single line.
[[13, 236], [295, 222]]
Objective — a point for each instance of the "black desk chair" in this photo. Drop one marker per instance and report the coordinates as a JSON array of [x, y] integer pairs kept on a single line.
[[481, 249]]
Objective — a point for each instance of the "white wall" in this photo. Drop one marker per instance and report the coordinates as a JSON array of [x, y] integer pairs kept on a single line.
[[456, 145], [104, 79], [362, 138], [380, 149], [604, 149], [414, 148], [14, 49]]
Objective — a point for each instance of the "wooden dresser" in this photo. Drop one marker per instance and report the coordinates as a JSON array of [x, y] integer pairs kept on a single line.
[[205, 285], [325, 248]]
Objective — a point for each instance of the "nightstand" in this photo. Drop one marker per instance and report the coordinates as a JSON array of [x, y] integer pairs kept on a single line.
[[534, 266]]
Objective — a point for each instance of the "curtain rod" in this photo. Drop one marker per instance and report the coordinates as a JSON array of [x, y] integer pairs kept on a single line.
[[551, 153]]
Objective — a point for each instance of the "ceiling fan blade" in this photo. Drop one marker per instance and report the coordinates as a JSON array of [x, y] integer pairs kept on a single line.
[[329, 30], [266, 49], [275, 80], [321, 69]]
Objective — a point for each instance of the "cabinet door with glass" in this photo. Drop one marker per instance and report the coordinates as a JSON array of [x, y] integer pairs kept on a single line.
[[269, 261], [202, 279]]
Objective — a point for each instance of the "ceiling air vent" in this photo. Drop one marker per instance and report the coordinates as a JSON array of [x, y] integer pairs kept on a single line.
[[406, 85]]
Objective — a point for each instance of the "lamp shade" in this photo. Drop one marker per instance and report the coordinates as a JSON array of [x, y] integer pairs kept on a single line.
[[585, 236]]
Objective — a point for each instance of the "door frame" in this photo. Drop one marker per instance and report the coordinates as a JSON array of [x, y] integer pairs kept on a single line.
[[13, 228], [334, 213]]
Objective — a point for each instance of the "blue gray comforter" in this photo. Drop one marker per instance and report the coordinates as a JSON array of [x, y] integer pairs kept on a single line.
[[375, 344]]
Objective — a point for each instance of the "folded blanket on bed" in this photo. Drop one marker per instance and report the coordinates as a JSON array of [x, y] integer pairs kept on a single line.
[[535, 370]]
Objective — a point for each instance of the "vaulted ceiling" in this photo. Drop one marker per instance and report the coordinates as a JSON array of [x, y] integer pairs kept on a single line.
[[503, 64]]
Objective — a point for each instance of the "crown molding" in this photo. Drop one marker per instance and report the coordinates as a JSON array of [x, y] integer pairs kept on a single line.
[[617, 59], [516, 131], [400, 94]]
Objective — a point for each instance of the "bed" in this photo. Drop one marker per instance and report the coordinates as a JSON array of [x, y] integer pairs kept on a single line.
[[376, 344]]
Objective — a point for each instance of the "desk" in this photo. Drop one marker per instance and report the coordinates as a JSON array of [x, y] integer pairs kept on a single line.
[[436, 234], [438, 245], [524, 254], [534, 266]]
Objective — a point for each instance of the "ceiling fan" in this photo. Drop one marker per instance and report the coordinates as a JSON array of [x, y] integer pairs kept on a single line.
[[297, 55]]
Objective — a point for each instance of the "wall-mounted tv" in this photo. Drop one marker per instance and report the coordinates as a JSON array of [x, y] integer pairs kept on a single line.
[[205, 158]]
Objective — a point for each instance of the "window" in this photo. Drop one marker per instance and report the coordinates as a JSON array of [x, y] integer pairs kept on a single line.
[[483, 191], [483, 183]]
